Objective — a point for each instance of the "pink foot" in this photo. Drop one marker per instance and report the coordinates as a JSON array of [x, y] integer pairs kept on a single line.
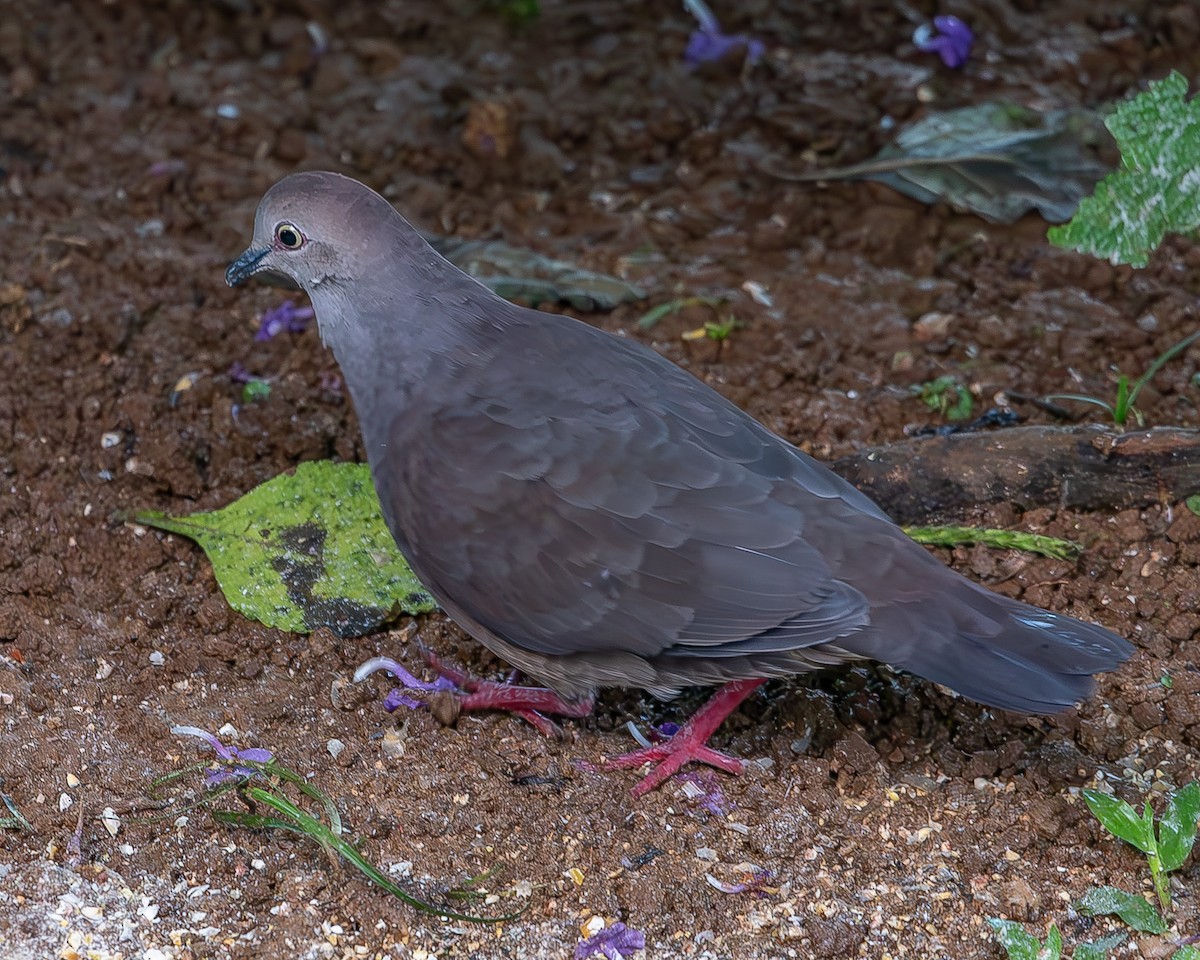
[[691, 742], [531, 704]]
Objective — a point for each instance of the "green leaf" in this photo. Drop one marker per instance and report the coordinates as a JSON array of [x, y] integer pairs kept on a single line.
[[652, 316], [997, 160], [1002, 539], [306, 550], [1134, 910], [1193, 503], [255, 390], [1121, 404], [517, 273], [1177, 828], [1186, 953], [1053, 947], [1098, 949], [1157, 189], [1120, 819], [1017, 942]]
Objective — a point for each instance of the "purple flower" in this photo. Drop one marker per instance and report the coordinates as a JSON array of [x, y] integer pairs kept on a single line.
[[664, 731], [755, 882], [166, 168], [397, 697], [238, 373], [705, 790], [952, 40], [612, 943], [287, 316], [330, 382], [709, 43], [230, 755]]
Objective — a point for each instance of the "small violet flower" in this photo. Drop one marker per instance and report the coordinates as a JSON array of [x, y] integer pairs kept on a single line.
[[166, 168], [664, 731], [613, 943], [709, 43], [398, 698], [232, 769], [285, 317], [756, 879], [948, 37], [703, 787]]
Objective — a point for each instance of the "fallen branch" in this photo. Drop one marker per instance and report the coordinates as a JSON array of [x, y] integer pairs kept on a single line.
[[1088, 467]]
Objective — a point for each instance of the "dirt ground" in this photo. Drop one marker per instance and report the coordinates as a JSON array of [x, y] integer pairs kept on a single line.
[[135, 141]]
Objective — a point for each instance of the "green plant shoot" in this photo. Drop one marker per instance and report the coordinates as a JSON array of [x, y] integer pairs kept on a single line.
[[1166, 848]]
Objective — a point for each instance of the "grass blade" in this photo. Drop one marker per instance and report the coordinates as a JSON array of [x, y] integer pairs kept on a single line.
[[314, 828]]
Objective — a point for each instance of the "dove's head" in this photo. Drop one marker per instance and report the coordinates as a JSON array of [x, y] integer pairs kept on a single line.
[[320, 229]]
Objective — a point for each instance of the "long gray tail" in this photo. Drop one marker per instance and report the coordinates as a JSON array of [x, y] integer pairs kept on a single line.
[[995, 650]]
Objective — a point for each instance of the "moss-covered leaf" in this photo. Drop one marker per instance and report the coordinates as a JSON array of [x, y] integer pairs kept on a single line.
[[306, 550]]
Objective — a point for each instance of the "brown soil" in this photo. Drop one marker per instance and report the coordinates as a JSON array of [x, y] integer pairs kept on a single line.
[[894, 817]]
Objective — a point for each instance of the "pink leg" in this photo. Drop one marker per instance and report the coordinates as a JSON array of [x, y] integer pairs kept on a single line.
[[691, 742], [529, 703]]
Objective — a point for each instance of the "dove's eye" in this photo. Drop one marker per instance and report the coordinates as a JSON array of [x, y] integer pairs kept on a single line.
[[289, 237]]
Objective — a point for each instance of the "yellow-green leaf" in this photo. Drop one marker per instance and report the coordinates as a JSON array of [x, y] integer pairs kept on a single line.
[[306, 550]]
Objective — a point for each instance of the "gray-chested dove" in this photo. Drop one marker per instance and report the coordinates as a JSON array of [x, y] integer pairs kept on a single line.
[[597, 516]]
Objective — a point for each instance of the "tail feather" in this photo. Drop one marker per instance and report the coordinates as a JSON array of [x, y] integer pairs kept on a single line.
[[995, 650]]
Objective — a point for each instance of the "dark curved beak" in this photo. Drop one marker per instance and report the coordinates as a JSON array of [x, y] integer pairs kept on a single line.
[[244, 266]]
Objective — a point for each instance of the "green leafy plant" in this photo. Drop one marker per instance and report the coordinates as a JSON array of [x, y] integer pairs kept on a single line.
[[945, 395], [1156, 190], [1122, 406], [1167, 842], [1019, 944], [717, 330], [1166, 845]]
